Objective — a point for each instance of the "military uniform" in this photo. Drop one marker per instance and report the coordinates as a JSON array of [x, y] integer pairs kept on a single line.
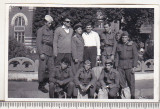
[[63, 75], [77, 51], [85, 78], [126, 59], [109, 45], [44, 44], [110, 78]]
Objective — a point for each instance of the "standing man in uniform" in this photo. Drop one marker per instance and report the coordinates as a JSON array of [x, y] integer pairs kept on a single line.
[[91, 45], [109, 43], [44, 44], [126, 62], [109, 79], [77, 48], [62, 41]]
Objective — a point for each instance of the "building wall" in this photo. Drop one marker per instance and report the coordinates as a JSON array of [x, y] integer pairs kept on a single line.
[[27, 12]]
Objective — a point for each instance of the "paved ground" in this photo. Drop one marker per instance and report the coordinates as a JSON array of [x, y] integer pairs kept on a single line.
[[19, 89]]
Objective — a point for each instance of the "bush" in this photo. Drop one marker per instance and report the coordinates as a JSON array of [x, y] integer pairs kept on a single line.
[[16, 49]]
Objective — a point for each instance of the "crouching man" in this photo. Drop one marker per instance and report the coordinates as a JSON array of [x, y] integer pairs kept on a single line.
[[85, 80], [61, 79], [109, 79]]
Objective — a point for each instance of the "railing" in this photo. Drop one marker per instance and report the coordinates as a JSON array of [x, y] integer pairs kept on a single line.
[[145, 66], [22, 68]]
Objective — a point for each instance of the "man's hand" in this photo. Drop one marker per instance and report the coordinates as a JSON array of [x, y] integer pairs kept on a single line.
[[82, 87], [87, 87], [112, 57], [76, 60], [42, 56], [60, 82], [98, 57], [133, 70]]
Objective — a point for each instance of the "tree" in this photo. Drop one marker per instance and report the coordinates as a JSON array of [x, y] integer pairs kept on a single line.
[[133, 17]]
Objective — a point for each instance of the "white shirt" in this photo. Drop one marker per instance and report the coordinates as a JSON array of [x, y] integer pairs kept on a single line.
[[92, 39], [65, 29]]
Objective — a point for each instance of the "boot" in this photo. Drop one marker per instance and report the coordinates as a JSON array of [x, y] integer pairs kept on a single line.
[[43, 89]]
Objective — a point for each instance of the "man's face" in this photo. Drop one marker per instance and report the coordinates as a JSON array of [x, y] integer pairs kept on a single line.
[[88, 28], [64, 65], [118, 36], [67, 22], [108, 66], [48, 24], [125, 39], [107, 28], [79, 30], [87, 66]]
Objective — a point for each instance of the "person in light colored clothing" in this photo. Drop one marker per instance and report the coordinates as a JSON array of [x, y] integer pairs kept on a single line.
[[91, 45]]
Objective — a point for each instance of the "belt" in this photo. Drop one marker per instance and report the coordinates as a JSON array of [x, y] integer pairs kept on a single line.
[[108, 46]]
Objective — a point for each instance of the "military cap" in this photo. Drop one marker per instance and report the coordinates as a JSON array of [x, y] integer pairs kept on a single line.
[[125, 33], [48, 18], [77, 26], [108, 61], [87, 62], [120, 32]]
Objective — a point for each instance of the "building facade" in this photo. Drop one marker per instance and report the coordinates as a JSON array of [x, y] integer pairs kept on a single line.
[[20, 25]]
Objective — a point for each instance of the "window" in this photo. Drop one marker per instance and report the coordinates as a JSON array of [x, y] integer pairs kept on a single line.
[[19, 21], [19, 36], [19, 28]]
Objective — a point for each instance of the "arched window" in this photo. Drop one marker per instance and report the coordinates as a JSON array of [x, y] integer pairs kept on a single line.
[[19, 21], [19, 28]]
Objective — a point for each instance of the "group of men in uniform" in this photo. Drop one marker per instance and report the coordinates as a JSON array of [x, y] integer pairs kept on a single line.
[[69, 55]]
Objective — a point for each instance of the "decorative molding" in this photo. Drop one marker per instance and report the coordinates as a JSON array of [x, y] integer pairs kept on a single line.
[[17, 15]]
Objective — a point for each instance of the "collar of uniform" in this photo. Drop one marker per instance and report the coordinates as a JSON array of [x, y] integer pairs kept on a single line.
[[63, 70], [129, 43], [108, 71], [46, 27], [78, 35], [84, 70], [107, 32]]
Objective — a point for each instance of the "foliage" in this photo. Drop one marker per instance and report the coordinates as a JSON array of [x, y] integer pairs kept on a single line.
[[16, 49], [133, 17]]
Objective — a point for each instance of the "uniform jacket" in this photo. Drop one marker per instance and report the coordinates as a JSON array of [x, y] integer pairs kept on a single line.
[[62, 41], [77, 47], [44, 41], [83, 77], [126, 55], [109, 42], [110, 78], [65, 75]]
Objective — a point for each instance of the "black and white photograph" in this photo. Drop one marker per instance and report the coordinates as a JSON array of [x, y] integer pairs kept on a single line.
[[97, 52]]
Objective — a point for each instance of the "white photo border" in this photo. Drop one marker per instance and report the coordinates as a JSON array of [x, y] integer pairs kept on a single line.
[[156, 53]]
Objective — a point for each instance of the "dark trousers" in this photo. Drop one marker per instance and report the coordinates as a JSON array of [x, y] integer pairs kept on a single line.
[[68, 88], [46, 64], [90, 53], [60, 56], [127, 77]]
